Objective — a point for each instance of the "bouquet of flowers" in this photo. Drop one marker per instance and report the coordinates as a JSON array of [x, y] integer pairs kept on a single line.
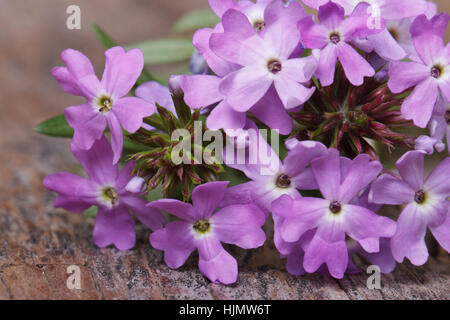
[[286, 118]]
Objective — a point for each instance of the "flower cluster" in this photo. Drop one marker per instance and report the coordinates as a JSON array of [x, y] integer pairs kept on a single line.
[[342, 88]]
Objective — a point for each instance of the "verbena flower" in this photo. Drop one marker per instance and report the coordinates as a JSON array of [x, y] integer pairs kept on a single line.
[[107, 189], [426, 203], [265, 62], [381, 13], [430, 77], [340, 180], [107, 102], [200, 227], [333, 37], [270, 178]]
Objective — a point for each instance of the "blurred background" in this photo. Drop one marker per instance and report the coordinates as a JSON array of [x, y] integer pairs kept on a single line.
[[32, 36]]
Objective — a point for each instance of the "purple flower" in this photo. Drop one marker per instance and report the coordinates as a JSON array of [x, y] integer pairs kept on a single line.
[[271, 179], [340, 180], [107, 103], [200, 227], [332, 36], [115, 194], [265, 61], [426, 205], [381, 11], [429, 76]]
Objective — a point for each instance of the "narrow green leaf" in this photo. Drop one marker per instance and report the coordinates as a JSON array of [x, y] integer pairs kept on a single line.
[[165, 50], [55, 127], [107, 41], [202, 18]]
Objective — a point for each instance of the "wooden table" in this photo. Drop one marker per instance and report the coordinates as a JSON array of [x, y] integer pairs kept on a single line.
[[38, 242]]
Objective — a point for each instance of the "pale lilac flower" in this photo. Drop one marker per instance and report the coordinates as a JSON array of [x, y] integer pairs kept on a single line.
[[340, 180], [426, 203], [109, 190], [200, 227], [270, 178], [107, 103], [381, 11], [430, 77], [332, 36], [265, 61]]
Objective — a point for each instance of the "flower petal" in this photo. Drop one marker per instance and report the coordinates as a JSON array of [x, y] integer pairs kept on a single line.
[[335, 255], [271, 111], [177, 208], [97, 162], [240, 225], [363, 224], [419, 105], [439, 180], [152, 218], [176, 241], [328, 176], [223, 268], [244, 88], [114, 226], [122, 70], [409, 240], [88, 125], [404, 75], [207, 197], [116, 136], [411, 168], [292, 93], [442, 233], [361, 173], [390, 190], [327, 65], [201, 90], [355, 66], [130, 111], [223, 116]]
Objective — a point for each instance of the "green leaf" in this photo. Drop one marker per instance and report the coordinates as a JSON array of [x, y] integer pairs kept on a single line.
[[165, 50], [195, 20], [91, 212], [107, 41], [55, 127]]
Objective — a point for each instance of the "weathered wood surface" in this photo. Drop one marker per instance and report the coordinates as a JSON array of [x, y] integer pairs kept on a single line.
[[38, 242]]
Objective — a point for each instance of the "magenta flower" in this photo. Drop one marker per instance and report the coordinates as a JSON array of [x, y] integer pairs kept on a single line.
[[200, 227], [332, 36], [382, 13], [272, 179], [106, 103], [426, 203], [430, 77], [340, 180], [265, 61], [115, 194]]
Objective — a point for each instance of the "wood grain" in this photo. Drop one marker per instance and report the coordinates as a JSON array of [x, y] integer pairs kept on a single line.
[[38, 242]]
